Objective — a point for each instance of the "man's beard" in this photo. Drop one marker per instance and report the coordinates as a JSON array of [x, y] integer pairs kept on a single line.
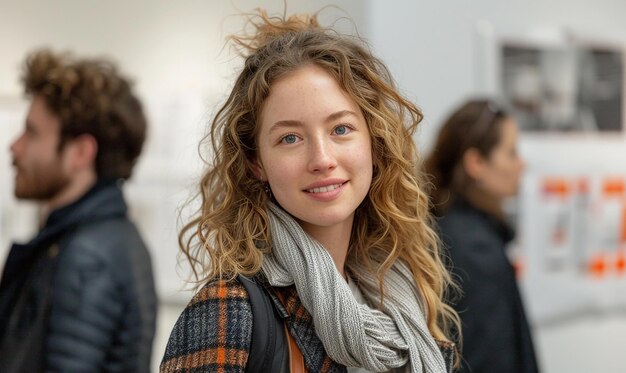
[[43, 184]]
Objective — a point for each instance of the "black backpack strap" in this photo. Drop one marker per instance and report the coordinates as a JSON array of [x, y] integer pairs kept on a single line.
[[268, 347]]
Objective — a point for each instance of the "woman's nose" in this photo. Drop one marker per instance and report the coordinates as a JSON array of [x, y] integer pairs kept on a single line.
[[322, 157]]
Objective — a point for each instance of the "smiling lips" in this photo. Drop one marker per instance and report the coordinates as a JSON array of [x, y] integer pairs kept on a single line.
[[324, 189]]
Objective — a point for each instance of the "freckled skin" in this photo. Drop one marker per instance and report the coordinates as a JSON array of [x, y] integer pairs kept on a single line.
[[313, 134]]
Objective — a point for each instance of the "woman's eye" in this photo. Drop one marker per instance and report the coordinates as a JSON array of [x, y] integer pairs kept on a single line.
[[289, 139], [342, 130]]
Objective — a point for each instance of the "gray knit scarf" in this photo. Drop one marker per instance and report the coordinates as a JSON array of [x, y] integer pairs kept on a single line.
[[353, 334]]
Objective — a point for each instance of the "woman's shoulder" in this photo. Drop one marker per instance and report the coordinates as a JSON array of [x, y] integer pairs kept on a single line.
[[198, 340], [465, 220], [219, 291], [461, 211]]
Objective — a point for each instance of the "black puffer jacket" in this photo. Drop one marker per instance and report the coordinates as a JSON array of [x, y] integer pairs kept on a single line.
[[80, 296], [496, 335]]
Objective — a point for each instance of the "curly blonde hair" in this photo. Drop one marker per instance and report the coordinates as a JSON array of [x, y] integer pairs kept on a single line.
[[230, 234]]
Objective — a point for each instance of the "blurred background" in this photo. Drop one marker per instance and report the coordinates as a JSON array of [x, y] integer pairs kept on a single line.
[[558, 64]]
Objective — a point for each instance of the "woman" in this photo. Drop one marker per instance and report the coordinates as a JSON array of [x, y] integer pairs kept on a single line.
[[475, 166], [313, 193]]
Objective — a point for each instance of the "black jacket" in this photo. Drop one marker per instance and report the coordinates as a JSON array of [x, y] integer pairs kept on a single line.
[[496, 336], [80, 296]]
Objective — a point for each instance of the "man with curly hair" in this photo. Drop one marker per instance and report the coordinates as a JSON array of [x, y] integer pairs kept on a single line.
[[80, 296]]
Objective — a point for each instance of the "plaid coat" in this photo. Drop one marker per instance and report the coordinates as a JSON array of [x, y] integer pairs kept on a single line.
[[213, 334]]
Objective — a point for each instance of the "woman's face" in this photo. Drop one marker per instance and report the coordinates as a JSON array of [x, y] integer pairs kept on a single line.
[[314, 150], [502, 171]]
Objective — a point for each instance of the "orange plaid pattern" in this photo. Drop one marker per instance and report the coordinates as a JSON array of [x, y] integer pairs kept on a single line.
[[213, 333]]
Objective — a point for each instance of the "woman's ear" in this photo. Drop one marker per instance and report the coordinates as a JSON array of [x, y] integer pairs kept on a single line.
[[257, 169], [474, 163]]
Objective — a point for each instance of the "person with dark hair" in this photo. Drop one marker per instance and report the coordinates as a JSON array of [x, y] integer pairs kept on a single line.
[[314, 195], [80, 296], [474, 166]]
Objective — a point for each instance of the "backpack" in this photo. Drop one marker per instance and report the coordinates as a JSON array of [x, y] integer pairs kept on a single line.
[[269, 345]]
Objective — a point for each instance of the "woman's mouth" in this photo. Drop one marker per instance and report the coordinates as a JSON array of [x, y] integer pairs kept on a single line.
[[324, 189]]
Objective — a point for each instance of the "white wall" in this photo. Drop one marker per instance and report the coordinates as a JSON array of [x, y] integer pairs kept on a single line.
[[435, 51], [174, 52], [441, 52]]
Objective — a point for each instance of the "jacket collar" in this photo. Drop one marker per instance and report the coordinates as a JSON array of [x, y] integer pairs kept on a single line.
[[104, 200], [300, 325], [501, 227]]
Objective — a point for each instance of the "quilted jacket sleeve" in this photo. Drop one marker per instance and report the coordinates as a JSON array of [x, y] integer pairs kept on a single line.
[[103, 310], [85, 310], [213, 333]]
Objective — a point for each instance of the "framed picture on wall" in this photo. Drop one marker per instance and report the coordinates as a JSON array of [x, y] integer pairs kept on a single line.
[[570, 88]]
